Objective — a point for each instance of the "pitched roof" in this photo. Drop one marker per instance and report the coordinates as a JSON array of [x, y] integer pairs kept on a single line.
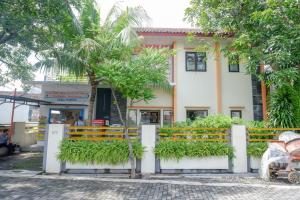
[[168, 30], [176, 31]]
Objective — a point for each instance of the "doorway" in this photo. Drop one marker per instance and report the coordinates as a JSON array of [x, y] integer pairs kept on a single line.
[[103, 104]]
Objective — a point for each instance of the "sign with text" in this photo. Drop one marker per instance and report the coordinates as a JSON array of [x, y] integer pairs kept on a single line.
[[66, 95]]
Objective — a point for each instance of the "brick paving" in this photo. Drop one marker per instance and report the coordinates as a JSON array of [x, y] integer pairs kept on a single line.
[[47, 187]]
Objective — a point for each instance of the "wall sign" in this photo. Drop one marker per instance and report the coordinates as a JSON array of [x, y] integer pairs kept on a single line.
[[66, 96]]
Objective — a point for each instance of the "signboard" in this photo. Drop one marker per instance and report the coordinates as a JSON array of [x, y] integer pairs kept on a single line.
[[100, 122], [66, 95]]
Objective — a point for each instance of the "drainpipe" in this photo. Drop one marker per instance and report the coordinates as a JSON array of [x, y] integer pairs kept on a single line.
[[263, 95]]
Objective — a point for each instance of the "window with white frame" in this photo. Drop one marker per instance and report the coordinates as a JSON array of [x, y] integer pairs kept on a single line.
[[195, 61], [193, 114]]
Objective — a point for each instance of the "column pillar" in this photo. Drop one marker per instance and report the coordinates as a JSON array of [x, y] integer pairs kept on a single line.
[[148, 141], [54, 137], [239, 143]]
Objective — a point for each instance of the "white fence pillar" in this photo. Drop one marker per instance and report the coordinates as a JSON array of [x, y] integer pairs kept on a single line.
[[54, 137], [239, 143], [148, 141]]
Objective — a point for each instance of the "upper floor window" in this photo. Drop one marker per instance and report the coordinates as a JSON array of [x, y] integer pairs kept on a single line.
[[234, 65], [195, 61]]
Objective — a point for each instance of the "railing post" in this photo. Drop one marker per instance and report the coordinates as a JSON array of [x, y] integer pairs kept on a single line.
[[148, 141], [239, 143], [54, 137]]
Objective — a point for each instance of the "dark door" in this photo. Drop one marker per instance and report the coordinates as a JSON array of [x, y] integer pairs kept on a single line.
[[103, 103]]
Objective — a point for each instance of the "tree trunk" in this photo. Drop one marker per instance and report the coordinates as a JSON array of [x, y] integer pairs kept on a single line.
[[125, 131], [93, 93]]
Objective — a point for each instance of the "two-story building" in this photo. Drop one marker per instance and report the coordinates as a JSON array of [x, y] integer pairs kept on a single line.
[[204, 82]]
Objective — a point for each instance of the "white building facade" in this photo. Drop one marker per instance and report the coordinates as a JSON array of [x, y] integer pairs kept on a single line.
[[204, 82]]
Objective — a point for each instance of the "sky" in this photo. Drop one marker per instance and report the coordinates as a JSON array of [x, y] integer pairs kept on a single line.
[[163, 13]]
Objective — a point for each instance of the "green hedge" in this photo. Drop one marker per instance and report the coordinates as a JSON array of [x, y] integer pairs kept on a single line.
[[216, 121], [257, 149], [179, 149], [98, 152]]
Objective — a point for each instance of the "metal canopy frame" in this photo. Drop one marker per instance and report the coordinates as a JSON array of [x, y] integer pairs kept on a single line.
[[22, 100], [31, 102]]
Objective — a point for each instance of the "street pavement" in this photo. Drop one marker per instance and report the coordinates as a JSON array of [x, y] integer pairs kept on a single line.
[[33, 187]]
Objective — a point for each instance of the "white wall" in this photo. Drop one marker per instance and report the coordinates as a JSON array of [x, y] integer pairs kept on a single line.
[[236, 90], [162, 99], [194, 89], [44, 110], [20, 115]]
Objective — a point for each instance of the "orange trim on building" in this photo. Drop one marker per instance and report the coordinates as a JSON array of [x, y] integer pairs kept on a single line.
[[174, 97], [218, 78], [263, 95], [149, 107]]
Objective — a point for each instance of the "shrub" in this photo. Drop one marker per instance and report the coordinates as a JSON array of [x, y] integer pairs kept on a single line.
[[257, 124], [98, 152], [284, 106], [257, 149], [216, 121], [260, 124], [179, 149]]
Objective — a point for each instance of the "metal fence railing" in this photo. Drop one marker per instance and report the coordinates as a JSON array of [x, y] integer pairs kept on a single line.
[[195, 134], [266, 134], [100, 133]]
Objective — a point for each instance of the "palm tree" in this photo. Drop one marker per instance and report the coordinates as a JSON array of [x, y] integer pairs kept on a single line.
[[95, 42]]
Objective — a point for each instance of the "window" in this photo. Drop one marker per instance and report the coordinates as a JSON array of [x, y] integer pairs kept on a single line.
[[33, 114], [236, 113], [64, 116], [150, 117], [167, 118], [195, 61], [132, 121], [193, 114], [234, 64]]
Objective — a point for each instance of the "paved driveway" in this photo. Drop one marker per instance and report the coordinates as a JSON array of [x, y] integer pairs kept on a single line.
[[66, 187]]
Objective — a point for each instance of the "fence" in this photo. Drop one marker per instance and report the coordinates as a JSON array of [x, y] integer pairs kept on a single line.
[[25, 134], [148, 138], [95, 133], [262, 135], [266, 134], [187, 164], [195, 134]]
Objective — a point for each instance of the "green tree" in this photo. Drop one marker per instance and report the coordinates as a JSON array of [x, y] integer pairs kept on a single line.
[[265, 32], [27, 27], [135, 77], [94, 43]]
